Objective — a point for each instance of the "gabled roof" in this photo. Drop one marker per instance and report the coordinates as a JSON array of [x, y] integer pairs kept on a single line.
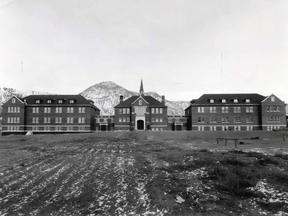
[[79, 99], [205, 99], [128, 102]]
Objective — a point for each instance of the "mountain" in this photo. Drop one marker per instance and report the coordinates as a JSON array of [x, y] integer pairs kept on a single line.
[[106, 96]]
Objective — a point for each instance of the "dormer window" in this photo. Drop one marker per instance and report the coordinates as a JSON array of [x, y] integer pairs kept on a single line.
[[223, 100], [49, 101], [140, 102], [272, 99], [60, 101], [71, 101], [247, 100], [211, 100], [235, 101], [37, 101], [13, 100]]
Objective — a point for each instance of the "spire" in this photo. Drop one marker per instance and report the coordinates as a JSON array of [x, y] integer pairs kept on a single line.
[[141, 88]]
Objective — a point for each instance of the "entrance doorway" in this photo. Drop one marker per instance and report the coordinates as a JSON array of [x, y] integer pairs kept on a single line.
[[140, 125]]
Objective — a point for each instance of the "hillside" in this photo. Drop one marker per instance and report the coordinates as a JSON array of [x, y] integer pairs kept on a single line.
[[106, 96]]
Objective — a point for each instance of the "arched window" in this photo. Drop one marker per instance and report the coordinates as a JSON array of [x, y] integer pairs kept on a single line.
[[140, 102]]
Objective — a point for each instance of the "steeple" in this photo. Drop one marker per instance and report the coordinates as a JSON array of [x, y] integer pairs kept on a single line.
[[141, 88]]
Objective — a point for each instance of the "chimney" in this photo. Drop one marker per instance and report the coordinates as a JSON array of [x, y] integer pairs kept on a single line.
[[121, 98], [163, 99]]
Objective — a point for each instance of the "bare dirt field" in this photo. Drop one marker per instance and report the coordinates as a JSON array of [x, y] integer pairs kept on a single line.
[[144, 173]]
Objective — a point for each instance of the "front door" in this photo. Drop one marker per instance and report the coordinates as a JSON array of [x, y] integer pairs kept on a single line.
[[140, 125]]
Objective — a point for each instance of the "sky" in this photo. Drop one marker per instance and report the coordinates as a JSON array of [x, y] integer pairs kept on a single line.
[[181, 48]]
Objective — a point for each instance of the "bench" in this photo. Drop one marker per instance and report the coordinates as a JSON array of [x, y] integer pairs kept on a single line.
[[226, 139]]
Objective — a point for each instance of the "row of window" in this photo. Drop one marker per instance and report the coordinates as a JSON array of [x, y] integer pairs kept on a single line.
[[104, 120], [247, 100], [184, 120], [47, 120], [60, 101], [273, 119], [225, 119], [13, 120], [58, 128], [58, 109], [156, 110], [224, 128], [13, 109], [157, 129], [273, 108], [13, 128], [124, 119], [225, 109], [124, 111], [156, 119]]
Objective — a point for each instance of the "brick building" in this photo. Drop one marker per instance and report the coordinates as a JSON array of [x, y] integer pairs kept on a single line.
[[48, 114], [140, 112], [236, 112]]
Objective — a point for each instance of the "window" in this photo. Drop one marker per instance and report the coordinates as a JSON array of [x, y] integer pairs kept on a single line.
[[81, 109], [37, 101], [272, 99], [9, 109], [35, 128], [47, 109], [70, 109], [120, 111], [156, 110], [160, 110], [58, 120], [124, 110], [156, 119], [128, 111], [237, 119], [200, 109], [225, 119], [127, 119], [225, 110], [13, 100], [46, 128], [237, 109], [212, 128], [120, 119], [211, 100], [235, 100], [249, 119], [212, 109], [249, 109], [60, 101], [35, 110], [140, 102], [152, 119], [152, 110], [71, 101], [49, 101], [160, 119], [81, 120], [213, 120], [69, 119], [200, 128], [237, 128], [201, 120], [223, 100], [35, 120], [58, 109], [8, 120], [18, 109], [46, 119], [247, 100]]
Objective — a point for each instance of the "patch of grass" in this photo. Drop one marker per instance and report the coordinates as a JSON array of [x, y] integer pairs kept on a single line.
[[235, 180], [273, 207]]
